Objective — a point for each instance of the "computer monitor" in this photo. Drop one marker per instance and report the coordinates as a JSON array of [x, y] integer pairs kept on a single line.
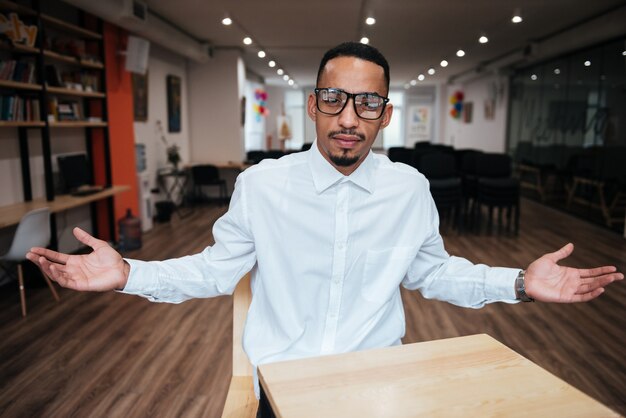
[[75, 171]]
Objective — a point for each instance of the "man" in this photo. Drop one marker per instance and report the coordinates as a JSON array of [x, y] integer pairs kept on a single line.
[[330, 234]]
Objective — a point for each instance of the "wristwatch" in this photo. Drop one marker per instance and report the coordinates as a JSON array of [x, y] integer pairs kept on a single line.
[[520, 288]]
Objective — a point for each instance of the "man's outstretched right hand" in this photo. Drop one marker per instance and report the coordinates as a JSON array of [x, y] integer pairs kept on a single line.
[[101, 270]]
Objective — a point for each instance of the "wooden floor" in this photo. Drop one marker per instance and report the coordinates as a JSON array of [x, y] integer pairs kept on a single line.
[[112, 355]]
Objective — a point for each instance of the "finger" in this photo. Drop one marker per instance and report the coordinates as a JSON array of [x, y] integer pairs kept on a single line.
[[597, 271], [586, 297], [50, 255], [561, 253], [87, 239], [46, 267], [588, 285], [64, 277]]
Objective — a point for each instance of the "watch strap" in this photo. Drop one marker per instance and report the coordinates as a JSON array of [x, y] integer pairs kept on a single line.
[[520, 288]]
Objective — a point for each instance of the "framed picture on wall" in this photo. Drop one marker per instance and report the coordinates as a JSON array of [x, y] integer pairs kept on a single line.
[[173, 103], [140, 97]]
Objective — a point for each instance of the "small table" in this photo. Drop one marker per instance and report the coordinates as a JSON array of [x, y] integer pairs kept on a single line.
[[466, 376], [175, 188]]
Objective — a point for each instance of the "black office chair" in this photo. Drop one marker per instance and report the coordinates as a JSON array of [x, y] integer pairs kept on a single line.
[[400, 155], [207, 175], [496, 189], [255, 157], [445, 185]]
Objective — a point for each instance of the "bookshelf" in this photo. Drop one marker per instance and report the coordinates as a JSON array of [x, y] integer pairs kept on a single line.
[[52, 80]]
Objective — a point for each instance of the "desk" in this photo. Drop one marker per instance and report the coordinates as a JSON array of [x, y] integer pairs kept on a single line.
[[11, 214], [466, 376]]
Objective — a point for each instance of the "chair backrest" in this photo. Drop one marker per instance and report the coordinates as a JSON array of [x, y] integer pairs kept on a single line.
[[241, 302], [438, 165], [493, 165], [32, 231], [400, 155], [204, 174], [255, 157]]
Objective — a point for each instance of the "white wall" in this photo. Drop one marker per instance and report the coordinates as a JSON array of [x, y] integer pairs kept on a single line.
[[162, 63], [480, 133], [215, 108]]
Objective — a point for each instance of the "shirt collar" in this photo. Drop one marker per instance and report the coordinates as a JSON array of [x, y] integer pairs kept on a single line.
[[325, 175]]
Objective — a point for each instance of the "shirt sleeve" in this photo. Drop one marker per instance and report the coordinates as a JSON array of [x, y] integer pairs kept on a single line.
[[213, 272], [437, 275]]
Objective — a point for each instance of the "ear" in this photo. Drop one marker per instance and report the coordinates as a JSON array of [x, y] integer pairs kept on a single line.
[[386, 118], [311, 107]]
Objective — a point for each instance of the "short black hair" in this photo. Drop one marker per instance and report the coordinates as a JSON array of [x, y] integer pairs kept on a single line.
[[357, 50]]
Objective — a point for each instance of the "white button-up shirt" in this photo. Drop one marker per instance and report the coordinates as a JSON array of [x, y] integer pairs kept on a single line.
[[328, 254]]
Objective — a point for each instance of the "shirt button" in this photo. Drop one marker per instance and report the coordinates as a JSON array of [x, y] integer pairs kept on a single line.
[[340, 245]]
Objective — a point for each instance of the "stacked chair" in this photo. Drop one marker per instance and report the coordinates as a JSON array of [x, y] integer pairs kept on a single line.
[[445, 185], [496, 188]]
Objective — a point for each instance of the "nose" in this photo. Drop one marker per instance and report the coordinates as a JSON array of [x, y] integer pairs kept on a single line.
[[348, 118]]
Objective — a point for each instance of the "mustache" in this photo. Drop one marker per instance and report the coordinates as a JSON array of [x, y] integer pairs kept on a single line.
[[350, 132]]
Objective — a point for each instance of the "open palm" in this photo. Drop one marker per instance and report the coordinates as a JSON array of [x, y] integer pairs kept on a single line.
[[102, 269], [549, 282]]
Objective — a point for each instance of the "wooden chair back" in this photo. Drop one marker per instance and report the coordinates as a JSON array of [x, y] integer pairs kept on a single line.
[[241, 402]]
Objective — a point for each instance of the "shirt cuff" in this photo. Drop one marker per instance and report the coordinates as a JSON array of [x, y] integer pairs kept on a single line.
[[500, 284], [141, 278]]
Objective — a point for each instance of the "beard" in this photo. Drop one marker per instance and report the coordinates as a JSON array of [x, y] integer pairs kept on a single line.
[[345, 159]]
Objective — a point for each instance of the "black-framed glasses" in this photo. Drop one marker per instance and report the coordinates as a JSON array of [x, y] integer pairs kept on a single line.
[[331, 101]]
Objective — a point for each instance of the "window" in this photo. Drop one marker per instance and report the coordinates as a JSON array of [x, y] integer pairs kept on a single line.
[[393, 136]]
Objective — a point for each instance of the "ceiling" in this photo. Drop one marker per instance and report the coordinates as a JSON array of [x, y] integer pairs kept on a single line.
[[414, 35]]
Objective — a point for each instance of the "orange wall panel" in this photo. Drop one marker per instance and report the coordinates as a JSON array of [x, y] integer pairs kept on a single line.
[[121, 131]]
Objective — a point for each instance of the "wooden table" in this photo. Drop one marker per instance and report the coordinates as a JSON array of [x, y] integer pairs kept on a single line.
[[11, 214], [471, 376]]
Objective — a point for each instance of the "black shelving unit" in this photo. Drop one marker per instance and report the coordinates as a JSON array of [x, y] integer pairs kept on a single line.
[[45, 54]]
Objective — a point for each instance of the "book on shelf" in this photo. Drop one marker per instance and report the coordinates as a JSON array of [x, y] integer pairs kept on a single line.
[[22, 71], [17, 108], [64, 110]]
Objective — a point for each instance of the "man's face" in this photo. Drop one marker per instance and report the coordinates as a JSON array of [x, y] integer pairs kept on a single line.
[[345, 139]]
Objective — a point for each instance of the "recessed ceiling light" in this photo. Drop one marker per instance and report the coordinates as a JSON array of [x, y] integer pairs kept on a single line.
[[483, 39], [517, 17], [624, 53], [370, 20], [587, 63], [413, 82], [365, 40], [285, 77], [290, 82], [533, 77], [272, 64], [431, 71], [421, 77], [227, 21], [261, 54], [247, 40], [279, 71], [443, 63], [460, 53], [557, 71]]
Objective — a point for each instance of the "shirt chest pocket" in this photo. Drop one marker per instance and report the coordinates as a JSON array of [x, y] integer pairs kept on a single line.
[[384, 271]]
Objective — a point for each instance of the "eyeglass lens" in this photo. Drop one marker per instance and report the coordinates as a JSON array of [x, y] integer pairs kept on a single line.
[[366, 105]]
